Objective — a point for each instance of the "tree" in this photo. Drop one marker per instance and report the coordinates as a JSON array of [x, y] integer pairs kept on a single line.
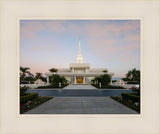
[[124, 79], [29, 79], [24, 72], [133, 75], [105, 71], [103, 79], [53, 70], [56, 79], [44, 79], [38, 75]]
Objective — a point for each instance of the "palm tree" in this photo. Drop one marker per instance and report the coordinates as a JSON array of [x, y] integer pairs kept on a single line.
[[53, 70], [24, 72], [38, 75], [129, 74], [133, 75]]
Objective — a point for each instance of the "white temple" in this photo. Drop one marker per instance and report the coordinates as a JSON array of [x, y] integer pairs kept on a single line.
[[79, 72]]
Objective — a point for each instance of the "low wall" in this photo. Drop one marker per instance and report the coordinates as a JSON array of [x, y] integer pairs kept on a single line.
[[34, 85], [125, 86]]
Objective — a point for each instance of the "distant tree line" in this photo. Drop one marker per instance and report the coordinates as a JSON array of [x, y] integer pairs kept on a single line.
[[133, 76], [27, 77], [54, 79]]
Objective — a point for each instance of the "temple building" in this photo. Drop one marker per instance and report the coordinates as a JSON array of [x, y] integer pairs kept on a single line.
[[79, 72]]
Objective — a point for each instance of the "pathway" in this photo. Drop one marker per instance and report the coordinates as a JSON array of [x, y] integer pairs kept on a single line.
[[81, 105]]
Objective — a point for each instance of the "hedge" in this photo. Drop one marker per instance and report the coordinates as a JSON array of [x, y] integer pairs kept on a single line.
[[23, 90], [108, 86], [133, 82], [45, 87], [131, 97], [28, 97]]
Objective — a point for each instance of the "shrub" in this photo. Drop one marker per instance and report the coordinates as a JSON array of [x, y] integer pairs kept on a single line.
[[32, 104], [45, 87], [134, 105], [131, 97], [23, 90], [28, 97], [104, 79], [55, 79], [136, 91], [108, 86], [132, 82]]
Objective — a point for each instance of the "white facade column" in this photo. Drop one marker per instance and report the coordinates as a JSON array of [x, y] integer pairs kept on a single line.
[[74, 79], [84, 80], [47, 80], [86, 70], [73, 70], [111, 81]]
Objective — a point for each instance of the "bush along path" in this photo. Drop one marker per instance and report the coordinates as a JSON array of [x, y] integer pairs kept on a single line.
[[30, 104], [131, 100], [30, 100]]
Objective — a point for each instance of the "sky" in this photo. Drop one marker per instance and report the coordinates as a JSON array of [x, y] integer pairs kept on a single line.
[[111, 44]]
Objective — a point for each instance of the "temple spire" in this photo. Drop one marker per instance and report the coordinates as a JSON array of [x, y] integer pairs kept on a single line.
[[79, 50], [79, 55]]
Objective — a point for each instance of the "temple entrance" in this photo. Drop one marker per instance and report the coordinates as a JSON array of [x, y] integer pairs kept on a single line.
[[79, 80]]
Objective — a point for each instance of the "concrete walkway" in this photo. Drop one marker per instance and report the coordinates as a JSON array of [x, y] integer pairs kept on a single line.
[[79, 87], [81, 105]]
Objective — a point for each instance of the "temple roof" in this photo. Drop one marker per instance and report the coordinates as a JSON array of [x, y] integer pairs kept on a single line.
[[79, 65]]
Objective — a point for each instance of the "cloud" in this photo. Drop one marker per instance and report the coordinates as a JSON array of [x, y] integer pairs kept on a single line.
[[90, 28], [132, 38], [45, 46], [55, 26], [97, 30], [29, 30], [112, 50]]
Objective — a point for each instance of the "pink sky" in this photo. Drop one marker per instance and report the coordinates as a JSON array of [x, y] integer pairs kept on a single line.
[[112, 44]]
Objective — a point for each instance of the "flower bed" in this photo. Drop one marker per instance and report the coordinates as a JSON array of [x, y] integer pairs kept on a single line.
[[130, 96], [129, 103], [28, 97], [24, 107]]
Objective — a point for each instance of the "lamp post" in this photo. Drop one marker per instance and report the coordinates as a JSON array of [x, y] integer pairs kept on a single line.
[[100, 85], [60, 89], [59, 84]]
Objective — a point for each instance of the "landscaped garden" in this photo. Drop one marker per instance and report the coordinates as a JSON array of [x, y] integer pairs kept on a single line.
[[56, 81], [30, 100], [103, 81], [131, 100]]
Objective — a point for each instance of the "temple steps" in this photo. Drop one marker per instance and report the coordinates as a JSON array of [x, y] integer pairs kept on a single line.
[[79, 86]]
